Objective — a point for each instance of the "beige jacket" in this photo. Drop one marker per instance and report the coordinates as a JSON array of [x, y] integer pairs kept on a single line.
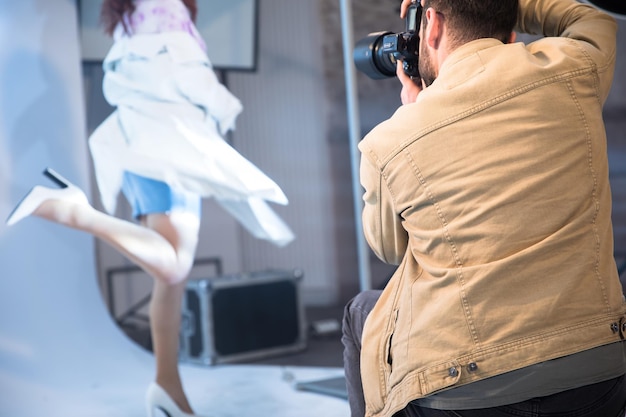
[[491, 192]]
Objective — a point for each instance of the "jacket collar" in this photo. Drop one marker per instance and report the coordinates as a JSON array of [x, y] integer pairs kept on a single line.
[[464, 63]]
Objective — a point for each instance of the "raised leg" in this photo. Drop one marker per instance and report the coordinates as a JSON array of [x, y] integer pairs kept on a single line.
[[164, 246]]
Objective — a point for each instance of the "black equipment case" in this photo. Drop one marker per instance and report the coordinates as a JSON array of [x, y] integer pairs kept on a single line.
[[231, 318]]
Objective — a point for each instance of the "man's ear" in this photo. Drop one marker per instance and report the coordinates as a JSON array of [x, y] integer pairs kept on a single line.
[[434, 28], [512, 37]]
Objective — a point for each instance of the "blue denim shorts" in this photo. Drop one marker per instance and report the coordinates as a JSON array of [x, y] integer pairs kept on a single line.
[[149, 196]]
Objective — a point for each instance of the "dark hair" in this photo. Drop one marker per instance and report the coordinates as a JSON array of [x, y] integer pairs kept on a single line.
[[475, 19], [112, 12]]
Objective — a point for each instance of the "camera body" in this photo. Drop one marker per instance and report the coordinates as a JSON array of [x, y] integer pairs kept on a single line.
[[376, 55]]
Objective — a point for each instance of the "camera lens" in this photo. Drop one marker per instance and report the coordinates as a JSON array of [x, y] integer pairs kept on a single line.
[[370, 58]]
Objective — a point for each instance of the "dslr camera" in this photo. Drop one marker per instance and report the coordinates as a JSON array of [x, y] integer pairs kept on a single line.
[[376, 55]]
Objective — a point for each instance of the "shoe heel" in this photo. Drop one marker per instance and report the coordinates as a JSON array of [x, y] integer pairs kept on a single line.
[[38, 194], [158, 399], [57, 178]]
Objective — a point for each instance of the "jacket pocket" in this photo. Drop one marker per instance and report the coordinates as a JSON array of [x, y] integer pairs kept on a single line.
[[376, 363], [391, 331]]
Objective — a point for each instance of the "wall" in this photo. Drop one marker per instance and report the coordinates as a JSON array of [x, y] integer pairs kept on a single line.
[[283, 131]]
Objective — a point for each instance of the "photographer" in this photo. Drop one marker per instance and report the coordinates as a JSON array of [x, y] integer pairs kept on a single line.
[[489, 188]]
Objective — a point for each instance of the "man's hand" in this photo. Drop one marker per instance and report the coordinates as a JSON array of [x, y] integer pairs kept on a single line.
[[404, 6], [410, 88]]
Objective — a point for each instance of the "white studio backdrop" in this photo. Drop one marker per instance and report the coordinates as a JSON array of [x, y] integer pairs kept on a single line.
[[59, 350]]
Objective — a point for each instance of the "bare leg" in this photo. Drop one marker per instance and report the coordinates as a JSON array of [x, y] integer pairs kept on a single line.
[[165, 325], [164, 246], [165, 305], [164, 249]]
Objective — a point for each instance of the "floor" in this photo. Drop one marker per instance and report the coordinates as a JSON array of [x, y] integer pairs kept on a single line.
[[271, 385], [62, 355]]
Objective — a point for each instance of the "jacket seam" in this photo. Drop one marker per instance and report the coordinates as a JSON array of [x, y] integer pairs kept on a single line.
[[594, 195], [593, 66], [451, 245], [384, 180], [483, 106]]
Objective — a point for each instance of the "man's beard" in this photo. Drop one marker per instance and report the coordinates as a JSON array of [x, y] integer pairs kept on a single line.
[[426, 70]]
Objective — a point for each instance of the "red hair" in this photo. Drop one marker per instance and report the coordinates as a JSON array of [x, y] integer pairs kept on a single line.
[[113, 12]]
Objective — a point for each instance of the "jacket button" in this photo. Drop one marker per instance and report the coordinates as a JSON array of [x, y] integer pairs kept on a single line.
[[453, 372], [614, 327], [472, 367]]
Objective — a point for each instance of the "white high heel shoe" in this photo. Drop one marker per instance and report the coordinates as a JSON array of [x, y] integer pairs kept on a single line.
[[38, 194], [158, 399]]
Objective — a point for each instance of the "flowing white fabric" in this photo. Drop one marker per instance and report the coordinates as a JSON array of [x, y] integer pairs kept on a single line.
[[170, 113]]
